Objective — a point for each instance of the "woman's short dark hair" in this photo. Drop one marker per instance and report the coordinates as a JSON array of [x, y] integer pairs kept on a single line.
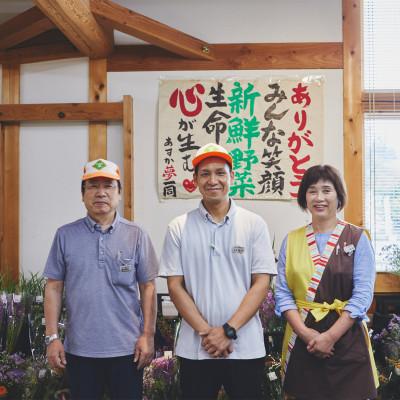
[[325, 173]]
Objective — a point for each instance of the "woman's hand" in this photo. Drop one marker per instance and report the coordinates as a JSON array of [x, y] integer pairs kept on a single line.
[[308, 334], [322, 345]]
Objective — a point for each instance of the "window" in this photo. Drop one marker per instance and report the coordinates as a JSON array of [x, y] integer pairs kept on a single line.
[[382, 182], [381, 66]]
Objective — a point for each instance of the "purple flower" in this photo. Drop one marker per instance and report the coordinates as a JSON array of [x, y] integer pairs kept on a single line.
[[17, 359], [15, 375]]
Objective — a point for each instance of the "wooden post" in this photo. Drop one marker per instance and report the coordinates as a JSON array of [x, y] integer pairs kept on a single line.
[[128, 158], [98, 94], [9, 223], [352, 110]]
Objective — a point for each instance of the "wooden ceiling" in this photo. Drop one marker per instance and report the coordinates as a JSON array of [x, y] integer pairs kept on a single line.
[[85, 28], [59, 29]]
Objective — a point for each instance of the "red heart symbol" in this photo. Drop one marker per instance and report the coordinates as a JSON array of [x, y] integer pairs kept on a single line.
[[189, 185]]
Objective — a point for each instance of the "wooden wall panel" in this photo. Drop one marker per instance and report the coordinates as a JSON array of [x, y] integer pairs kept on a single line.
[[98, 94], [352, 110], [9, 224]]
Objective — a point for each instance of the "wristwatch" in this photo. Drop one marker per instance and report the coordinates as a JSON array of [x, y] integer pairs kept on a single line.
[[51, 338], [230, 331]]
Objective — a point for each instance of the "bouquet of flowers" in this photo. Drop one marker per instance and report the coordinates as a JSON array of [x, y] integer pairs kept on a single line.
[[160, 381], [389, 338], [273, 325], [42, 383], [15, 320], [273, 386], [388, 341], [12, 374]]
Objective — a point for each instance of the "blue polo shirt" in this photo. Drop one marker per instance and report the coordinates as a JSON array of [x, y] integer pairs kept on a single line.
[[101, 272]]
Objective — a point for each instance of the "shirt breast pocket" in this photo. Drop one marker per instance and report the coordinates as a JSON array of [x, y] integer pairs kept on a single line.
[[124, 271]]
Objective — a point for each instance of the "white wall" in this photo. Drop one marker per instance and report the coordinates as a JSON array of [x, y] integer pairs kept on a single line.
[[52, 155]]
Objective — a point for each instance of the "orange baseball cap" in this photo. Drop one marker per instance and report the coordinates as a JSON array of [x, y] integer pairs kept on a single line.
[[211, 150], [100, 168]]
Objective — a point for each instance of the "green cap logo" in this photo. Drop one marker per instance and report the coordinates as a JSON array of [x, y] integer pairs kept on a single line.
[[99, 164]]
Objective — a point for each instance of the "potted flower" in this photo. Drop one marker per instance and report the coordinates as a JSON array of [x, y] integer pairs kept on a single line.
[[387, 347]]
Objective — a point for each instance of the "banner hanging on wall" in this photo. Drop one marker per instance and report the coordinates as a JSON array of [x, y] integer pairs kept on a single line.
[[273, 128]]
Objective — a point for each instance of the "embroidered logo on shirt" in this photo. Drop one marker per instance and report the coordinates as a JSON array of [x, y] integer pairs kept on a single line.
[[238, 250]]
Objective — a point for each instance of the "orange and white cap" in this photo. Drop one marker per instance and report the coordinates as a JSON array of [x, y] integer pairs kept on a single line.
[[211, 150], [100, 168]]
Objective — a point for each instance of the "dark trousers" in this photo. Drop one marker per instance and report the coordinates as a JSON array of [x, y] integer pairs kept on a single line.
[[241, 379], [89, 378]]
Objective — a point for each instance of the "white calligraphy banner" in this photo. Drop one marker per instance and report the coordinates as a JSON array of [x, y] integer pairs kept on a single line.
[[273, 129]]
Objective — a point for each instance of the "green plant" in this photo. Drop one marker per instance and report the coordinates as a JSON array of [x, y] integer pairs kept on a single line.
[[391, 254], [32, 286], [7, 282]]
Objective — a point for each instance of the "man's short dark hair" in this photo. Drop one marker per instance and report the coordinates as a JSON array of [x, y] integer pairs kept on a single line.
[[83, 187], [325, 173]]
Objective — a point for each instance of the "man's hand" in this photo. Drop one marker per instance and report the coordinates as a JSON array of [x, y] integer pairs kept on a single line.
[[216, 343], [322, 345], [144, 350], [56, 355]]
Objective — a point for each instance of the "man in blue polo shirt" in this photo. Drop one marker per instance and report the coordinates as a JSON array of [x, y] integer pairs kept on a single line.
[[218, 260], [101, 262]]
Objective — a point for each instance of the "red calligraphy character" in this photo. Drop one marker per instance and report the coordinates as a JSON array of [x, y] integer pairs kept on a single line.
[[306, 138], [296, 183], [190, 98], [169, 172], [302, 121], [297, 163], [300, 94], [296, 141]]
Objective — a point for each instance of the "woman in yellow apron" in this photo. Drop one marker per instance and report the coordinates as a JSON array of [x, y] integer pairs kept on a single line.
[[326, 274]]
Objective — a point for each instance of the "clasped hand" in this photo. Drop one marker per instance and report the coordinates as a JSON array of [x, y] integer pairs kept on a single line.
[[216, 343], [319, 344]]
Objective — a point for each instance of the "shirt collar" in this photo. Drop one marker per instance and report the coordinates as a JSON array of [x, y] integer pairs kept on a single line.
[[94, 226], [207, 216]]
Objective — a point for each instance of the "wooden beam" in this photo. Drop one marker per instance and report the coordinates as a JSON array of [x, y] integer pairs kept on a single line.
[[62, 112], [9, 223], [388, 102], [40, 53], [258, 56], [151, 31], [23, 27], [128, 158], [352, 110], [75, 20], [98, 94]]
